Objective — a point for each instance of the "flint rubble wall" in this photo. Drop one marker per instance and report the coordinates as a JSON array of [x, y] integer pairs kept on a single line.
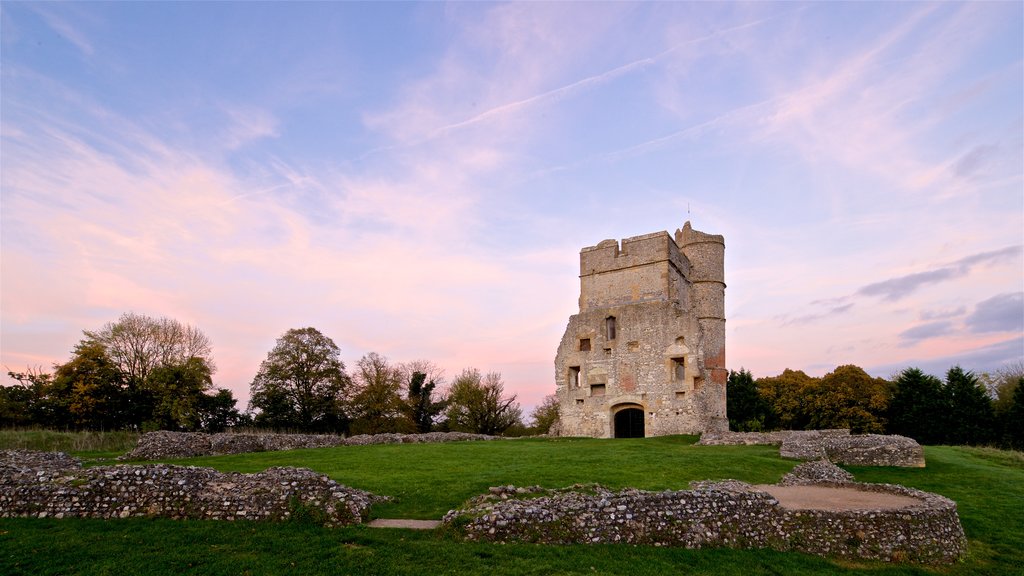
[[729, 514], [54, 485], [164, 444], [837, 445]]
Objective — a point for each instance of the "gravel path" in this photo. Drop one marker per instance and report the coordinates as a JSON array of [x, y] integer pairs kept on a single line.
[[831, 498]]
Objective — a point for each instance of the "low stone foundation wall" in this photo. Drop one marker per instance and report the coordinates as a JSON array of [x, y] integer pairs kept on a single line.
[[54, 485], [163, 444], [838, 446], [716, 514]]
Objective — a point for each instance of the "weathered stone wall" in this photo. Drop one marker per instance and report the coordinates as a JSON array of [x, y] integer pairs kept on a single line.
[[53, 485], [715, 514], [661, 318], [164, 444], [836, 445]]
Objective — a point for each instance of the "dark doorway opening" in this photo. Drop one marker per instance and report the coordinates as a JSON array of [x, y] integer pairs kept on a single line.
[[629, 423]]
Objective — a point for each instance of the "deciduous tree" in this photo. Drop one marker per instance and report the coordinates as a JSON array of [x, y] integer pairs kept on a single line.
[[478, 404], [545, 415], [848, 397], [377, 405], [788, 396], [301, 383], [422, 406]]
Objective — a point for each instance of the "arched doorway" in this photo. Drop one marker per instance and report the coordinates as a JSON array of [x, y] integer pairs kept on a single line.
[[629, 423]]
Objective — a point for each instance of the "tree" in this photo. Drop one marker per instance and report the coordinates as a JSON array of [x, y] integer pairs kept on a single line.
[[848, 397], [94, 387], [477, 404], [179, 394], [423, 408], [300, 384], [27, 403], [545, 415], [788, 398], [971, 419], [747, 410], [218, 412], [138, 344], [918, 407], [377, 405]]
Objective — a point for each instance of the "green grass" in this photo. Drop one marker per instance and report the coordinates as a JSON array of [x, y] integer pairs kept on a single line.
[[428, 479]]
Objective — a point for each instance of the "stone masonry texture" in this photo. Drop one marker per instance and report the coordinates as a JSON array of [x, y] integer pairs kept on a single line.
[[729, 514], [54, 485], [649, 339]]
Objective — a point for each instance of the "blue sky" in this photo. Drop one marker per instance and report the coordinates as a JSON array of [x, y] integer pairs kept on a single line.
[[417, 179]]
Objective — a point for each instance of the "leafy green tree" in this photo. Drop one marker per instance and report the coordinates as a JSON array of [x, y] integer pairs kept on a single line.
[[848, 397], [971, 419], [545, 415], [919, 407], [747, 409], [218, 411], [788, 397], [422, 406], [179, 391], [377, 405], [30, 401], [478, 404], [301, 384]]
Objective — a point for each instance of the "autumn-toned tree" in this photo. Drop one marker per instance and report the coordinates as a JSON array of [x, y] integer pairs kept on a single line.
[[788, 396], [848, 397], [180, 399], [478, 404], [97, 397], [918, 407], [300, 384]]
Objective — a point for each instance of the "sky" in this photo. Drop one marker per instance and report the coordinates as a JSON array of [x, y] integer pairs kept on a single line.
[[417, 179]]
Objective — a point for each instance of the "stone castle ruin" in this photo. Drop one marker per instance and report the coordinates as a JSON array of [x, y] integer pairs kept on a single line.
[[645, 356]]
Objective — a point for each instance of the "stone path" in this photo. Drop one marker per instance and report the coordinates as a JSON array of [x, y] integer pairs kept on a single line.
[[404, 523]]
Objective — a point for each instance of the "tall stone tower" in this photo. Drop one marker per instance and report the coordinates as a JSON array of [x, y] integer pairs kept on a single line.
[[645, 356]]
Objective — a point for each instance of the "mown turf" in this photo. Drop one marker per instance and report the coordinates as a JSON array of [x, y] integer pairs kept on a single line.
[[428, 479]]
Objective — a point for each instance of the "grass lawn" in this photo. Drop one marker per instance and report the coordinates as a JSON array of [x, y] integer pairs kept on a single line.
[[429, 479]]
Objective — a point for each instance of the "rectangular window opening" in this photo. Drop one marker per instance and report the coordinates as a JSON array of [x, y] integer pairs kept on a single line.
[[609, 325], [678, 369], [584, 344], [680, 394], [574, 377], [579, 401], [597, 389]]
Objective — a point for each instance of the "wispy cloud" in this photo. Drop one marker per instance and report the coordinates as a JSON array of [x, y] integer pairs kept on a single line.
[[898, 288], [1002, 313], [73, 35]]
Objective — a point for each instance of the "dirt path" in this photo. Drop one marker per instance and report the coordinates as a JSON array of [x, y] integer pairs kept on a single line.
[[830, 498]]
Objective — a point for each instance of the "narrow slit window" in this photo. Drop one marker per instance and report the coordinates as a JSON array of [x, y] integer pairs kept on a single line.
[[574, 377], [609, 326], [584, 344], [678, 369]]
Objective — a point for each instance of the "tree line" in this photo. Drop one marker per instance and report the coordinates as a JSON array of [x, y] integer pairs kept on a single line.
[[144, 373], [961, 409]]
